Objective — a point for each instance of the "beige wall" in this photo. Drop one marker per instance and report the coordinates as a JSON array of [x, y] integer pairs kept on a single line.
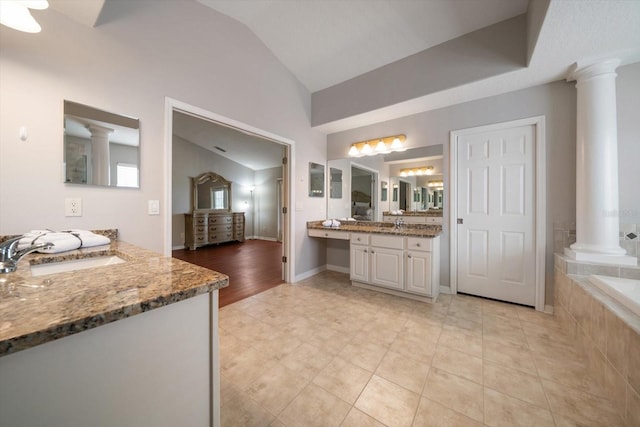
[[142, 52]]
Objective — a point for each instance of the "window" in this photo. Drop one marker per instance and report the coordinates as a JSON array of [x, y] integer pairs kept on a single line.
[[217, 199], [127, 175]]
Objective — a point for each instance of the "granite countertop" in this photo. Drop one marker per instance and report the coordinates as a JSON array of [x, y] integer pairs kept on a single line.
[[431, 212], [35, 310], [409, 230]]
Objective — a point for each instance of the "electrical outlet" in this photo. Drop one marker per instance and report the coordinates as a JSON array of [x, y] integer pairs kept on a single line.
[[72, 207]]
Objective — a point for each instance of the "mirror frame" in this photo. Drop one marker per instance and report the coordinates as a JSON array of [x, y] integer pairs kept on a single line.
[[209, 177]]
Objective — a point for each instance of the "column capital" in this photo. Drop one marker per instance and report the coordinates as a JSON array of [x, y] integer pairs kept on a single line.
[[584, 70]]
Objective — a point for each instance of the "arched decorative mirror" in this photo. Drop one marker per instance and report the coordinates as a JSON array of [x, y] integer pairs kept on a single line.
[[211, 192]]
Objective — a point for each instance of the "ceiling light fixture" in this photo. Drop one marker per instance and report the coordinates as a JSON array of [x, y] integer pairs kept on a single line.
[[419, 171], [15, 14], [378, 146]]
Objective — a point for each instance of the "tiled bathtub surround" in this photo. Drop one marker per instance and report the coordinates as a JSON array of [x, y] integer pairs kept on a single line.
[[630, 238], [564, 235], [605, 332]]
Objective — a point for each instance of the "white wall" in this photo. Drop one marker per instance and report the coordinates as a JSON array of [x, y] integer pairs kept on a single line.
[[557, 101], [628, 100], [142, 52]]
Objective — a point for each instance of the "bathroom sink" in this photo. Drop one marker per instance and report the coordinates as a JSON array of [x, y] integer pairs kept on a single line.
[[75, 264]]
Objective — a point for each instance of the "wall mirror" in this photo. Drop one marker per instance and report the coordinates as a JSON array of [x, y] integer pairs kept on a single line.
[[100, 148], [335, 183], [316, 180], [397, 190], [211, 192]]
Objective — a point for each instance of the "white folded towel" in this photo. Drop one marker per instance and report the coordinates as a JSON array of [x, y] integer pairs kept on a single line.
[[62, 241], [331, 223]]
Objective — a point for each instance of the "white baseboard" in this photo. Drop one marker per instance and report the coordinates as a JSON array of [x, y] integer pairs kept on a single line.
[[309, 273], [175, 248], [271, 239], [548, 309], [445, 289], [338, 268]]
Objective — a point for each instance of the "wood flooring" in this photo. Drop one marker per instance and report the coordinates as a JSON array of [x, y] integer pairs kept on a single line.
[[253, 266]]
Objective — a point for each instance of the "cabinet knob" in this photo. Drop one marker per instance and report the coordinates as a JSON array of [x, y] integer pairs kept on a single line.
[[326, 234], [365, 251], [358, 239], [372, 252], [408, 256], [417, 245]]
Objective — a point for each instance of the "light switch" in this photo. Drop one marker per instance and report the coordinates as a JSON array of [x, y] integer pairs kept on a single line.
[[154, 207]]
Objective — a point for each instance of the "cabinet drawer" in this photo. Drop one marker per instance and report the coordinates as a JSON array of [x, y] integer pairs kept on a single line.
[[202, 239], [434, 220], [200, 229], [419, 244], [391, 242], [329, 234], [200, 220], [360, 239]]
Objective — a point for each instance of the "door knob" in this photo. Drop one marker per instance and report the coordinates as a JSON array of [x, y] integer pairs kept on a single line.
[[459, 220]]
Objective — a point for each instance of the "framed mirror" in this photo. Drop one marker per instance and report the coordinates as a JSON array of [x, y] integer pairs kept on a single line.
[[335, 183], [316, 180], [211, 192], [383, 191], [395, 192], [100, 148]]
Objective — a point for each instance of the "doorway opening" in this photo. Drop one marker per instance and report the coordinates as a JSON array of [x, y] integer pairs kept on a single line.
[[256, 163]]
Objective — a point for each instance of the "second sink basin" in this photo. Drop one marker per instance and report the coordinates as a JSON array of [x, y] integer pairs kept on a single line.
[[75, 264]]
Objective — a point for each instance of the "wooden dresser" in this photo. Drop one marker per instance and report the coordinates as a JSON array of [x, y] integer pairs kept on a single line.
[[204, 227]]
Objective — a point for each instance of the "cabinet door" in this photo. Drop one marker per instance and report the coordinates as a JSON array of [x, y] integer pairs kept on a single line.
[[419, 268], [360, 263], [387, 267]]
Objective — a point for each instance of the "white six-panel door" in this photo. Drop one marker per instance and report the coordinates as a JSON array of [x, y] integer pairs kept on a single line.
[[496, 214]]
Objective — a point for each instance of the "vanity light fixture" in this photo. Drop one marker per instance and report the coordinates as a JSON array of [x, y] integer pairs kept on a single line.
[[436, 185], [422, 170], [15, 14], [375, 146]]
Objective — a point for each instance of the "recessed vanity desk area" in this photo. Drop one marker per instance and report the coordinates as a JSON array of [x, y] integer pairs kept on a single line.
[[400, 260], [389, 205]]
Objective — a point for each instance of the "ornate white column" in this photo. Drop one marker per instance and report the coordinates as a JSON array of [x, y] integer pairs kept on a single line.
[[597, 220], [100, 160]]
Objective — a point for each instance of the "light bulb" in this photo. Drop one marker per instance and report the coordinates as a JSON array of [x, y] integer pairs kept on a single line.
[[366, 148], [381, 147], [353, 151], [396, 144]]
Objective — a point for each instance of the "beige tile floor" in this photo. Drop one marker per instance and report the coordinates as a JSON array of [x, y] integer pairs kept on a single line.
[[324, 353]]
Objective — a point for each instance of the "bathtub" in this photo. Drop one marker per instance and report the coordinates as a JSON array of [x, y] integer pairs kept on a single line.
[[625, 291]]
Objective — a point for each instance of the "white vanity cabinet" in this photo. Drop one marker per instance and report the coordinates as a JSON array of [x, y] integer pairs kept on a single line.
[[359, 254], [423, 266], [406, 266], [387, 256]]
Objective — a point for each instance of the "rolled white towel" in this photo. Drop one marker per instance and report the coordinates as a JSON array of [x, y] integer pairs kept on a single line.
[[331, 223], [62, 241], [89, 239]]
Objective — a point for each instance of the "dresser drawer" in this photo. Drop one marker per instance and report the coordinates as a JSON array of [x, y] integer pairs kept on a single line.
[[200, 229], [391, 242], [200, 220], [220, 219], [434, 220], [220, 237]]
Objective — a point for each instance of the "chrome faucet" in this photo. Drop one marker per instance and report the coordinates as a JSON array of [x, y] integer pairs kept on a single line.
[[9, 255], [398, 223]]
